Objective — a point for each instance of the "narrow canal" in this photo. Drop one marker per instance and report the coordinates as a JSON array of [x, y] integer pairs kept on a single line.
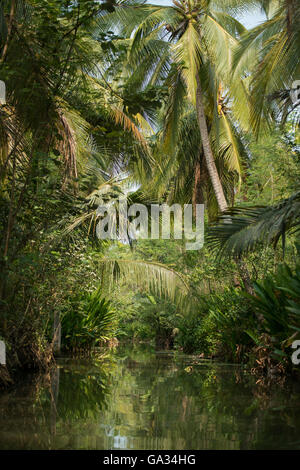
[[138, 398]]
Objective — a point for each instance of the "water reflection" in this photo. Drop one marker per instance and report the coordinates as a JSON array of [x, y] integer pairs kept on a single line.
[[140, 399]]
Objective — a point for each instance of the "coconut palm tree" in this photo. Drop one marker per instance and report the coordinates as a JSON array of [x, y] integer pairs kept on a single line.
[[269, 53], [181, 174], [185, 46], [275, 65]]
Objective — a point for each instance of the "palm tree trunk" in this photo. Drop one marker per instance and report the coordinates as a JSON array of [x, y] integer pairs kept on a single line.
[[209, 158], [214, 176], [197, 196], [199, 182]]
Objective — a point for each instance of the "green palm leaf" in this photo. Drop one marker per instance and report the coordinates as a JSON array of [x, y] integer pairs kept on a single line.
[[241, 230]]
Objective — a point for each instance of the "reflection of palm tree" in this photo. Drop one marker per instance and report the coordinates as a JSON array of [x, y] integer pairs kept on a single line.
[[177, 409], [185, 402], [54, 391]]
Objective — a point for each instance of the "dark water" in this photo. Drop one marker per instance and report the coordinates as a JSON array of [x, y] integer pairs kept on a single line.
[[139, 399]]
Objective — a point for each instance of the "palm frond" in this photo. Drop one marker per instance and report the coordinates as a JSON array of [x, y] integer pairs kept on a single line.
[[144, 275], [241, 230], [187, 54]]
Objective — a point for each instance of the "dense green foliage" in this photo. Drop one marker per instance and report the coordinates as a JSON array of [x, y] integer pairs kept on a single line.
[[277, 299], [167, 104], [88, 321]]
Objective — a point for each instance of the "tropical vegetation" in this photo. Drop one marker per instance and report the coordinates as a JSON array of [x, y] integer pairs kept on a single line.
[[176, 103]]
